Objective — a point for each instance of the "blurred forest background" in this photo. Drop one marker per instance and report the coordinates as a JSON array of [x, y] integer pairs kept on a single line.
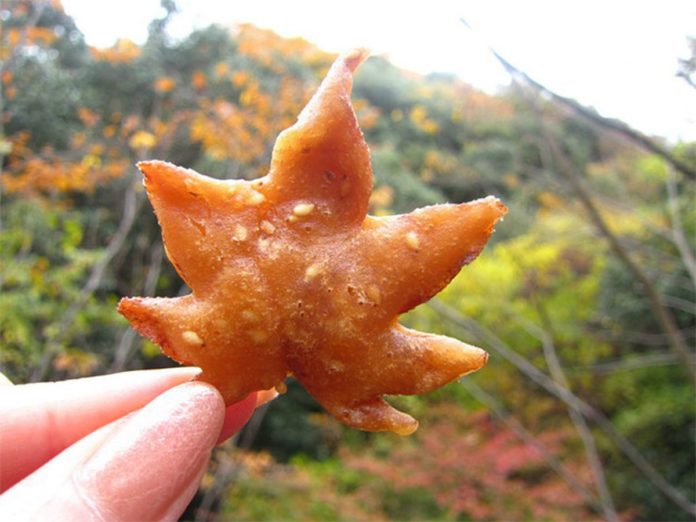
[[584, 298]]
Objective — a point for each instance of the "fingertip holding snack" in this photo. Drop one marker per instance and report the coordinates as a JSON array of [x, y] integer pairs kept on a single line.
[[290, 276]]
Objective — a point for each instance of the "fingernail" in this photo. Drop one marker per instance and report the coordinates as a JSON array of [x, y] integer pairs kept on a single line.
[[154, 458]]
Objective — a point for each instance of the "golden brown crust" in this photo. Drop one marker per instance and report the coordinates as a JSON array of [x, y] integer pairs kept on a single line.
[[290, 276]]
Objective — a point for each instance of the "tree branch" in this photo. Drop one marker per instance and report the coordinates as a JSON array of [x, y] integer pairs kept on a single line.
[[558, 375], [133, 201], [128, 336], [550, 148], [528, 438], [678, 235], [630, 363], [622, 443], [606, 123]]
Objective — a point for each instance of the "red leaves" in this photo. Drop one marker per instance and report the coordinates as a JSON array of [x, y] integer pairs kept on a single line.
[[475, 467]]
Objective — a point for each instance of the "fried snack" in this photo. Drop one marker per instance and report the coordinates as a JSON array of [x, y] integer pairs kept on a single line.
[[290, 276]]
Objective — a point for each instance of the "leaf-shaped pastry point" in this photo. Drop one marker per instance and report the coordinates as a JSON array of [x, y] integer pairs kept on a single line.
[[323, 159]]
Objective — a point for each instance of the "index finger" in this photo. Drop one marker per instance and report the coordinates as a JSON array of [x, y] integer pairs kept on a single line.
[[38, 421]]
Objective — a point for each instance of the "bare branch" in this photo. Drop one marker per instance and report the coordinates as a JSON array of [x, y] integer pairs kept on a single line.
[[629, 363], [552, 154], [622, 443], [133, 201], [530, 439], [642, 338], [662, 313], [128, 336], [576, 416], [226, 472], [227, 469], [606, 123], [678, 235]]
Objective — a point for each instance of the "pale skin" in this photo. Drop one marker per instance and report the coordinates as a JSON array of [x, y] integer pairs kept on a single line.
[[128, 446]]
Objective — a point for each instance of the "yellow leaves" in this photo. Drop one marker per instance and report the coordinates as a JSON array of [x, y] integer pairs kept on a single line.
[[142, 140], [91, 161], [253, 98], [5, 147], [418, 114], [419, 117], [438, 162], [381, 199], [123, 51], [164, 84], [549, 200]]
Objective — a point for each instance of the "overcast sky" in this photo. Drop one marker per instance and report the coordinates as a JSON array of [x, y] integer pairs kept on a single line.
[[618, 56]]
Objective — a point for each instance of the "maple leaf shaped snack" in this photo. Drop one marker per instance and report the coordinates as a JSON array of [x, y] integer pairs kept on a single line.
[[289, 275]]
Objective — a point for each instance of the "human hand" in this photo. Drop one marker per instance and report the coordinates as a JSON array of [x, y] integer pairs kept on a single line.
[[128, 446]]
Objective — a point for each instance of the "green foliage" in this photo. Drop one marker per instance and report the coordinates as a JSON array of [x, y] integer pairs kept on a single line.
[[409, 191], [658, 415], [307, 490], [383, 85], [52, 118], [44, 270]]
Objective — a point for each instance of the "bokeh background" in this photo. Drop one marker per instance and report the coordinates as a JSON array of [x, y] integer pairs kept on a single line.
[[584, 298]]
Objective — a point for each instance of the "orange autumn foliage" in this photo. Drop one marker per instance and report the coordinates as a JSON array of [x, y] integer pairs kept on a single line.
[[473, 105], [29, 173], [199, 81], [244, 131], [164, 84], [123, 51], [273, 51]]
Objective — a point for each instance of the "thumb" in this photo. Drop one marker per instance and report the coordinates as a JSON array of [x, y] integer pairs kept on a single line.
[[143, 467]]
